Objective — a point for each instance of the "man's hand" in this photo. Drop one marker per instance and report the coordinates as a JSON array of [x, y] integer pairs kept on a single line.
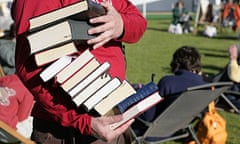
[[101, 127], [111, 26], [233, 52]]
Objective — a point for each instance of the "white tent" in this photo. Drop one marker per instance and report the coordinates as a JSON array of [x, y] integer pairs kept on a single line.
[[140, 2]]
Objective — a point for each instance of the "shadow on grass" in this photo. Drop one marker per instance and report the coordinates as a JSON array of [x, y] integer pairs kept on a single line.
[[214, 55], [213, 50], [157, 29]]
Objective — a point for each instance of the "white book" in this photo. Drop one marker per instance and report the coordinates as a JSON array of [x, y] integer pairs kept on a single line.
[[55, 67], [50, 55], [80, 75], [138, 109], [58, 14], [91, 89], [91, 77], [72, 68], [101, 93], [122, 92]]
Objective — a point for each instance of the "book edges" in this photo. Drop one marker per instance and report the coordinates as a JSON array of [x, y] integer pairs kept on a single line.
[[139, 95], [122, 92], [49, 72], [102, 93], [101, 69], [59, 34], [93, 87], [139, 108], [37, 23], [78, 63], [47, 56], [80, 74]]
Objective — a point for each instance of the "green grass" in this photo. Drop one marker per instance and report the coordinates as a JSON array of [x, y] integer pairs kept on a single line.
[[152, 54]]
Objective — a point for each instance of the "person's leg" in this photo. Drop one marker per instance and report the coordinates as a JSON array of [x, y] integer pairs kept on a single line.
[[45, 132]]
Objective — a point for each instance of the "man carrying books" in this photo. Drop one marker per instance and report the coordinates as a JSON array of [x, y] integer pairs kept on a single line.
[[56, 117]]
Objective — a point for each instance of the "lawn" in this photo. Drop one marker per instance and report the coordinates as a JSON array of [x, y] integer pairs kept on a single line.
[[153, 53]]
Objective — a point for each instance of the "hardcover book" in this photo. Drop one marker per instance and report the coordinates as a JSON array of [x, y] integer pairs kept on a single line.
[[138, 108], [93, 75], [82, 96], [55, 67], [122, 92], [101, 93], [75, 65], [141, 93], [48, 56], [59, 34], [80, 75], [82, 10]]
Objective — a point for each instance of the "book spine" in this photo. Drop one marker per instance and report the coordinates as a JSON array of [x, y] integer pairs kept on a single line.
[[141, 94]]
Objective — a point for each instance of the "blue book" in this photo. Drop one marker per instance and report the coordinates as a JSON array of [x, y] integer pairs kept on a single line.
[[141, 93]]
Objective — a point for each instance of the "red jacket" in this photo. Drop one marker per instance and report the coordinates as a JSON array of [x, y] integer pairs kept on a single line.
[[17, 105], [51, 102]]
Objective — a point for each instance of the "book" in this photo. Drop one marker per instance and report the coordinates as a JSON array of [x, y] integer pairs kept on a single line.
[[59, 34], [101, 93], [141, 93], [80, 10], [72, 68], [55, 67], [79, 75], [81, 97], [103, 68], [138, 108], [122, 92], [48, 56]]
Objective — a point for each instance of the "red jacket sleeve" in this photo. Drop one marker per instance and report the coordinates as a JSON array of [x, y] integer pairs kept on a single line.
[[134, 23]]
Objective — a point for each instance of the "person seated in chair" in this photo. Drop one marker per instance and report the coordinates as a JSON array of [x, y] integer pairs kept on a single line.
[[186, 69], [234, 63]]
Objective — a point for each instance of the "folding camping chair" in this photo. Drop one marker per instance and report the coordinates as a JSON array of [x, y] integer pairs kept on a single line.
[[9, 136], [176, 121], [1, 71]]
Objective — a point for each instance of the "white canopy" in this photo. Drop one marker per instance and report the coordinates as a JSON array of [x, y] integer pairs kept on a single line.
[[139, 2]]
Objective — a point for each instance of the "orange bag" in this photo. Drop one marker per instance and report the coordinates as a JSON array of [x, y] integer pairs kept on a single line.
[[212, 128]]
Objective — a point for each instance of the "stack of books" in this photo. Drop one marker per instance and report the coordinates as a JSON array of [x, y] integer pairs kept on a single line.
[[83, 77], [53, 34]]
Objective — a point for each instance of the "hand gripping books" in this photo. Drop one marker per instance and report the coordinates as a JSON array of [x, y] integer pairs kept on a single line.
[[63, 25]]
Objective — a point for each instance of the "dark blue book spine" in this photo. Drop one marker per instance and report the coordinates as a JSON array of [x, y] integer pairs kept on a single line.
[[143, 92]]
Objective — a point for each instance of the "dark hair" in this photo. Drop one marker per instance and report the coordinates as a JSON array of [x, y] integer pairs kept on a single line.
[[187, 58], [179, 2]]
